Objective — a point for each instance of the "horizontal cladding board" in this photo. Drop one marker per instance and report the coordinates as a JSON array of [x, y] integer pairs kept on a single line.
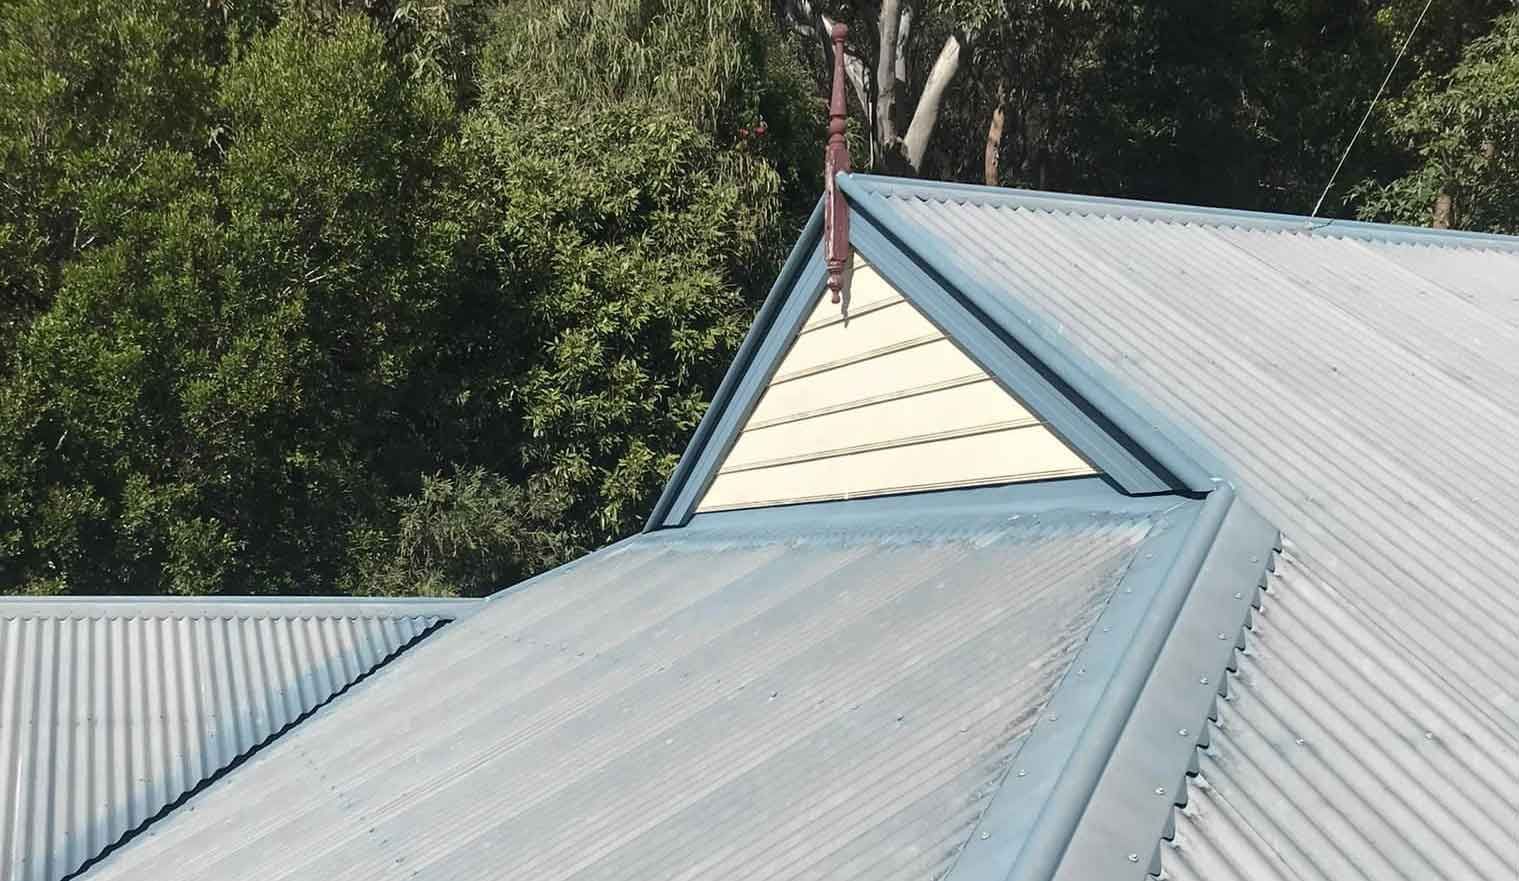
[[897, 371], [881, 402], [867, 291], [977, 404], [842, 342], [1029, 453]]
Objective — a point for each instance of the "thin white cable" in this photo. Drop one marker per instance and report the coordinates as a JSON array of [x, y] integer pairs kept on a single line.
[[1385, 80]]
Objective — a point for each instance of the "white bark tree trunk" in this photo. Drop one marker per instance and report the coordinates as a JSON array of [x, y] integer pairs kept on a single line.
[[891, 74], [926, 115]]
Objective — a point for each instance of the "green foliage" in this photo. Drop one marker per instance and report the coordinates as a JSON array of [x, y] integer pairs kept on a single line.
[[194, 399], [424, 296], [333, 287], [88, 91], [719, 66], [465, 534], [1462, 128]]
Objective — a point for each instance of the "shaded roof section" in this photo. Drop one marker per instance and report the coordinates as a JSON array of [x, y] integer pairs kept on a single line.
[[1360, 383], [113, 709], [833, 690]]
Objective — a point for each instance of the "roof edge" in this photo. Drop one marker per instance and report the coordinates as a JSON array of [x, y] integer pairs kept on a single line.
[[237, 761], [1081, 379], [1180, 213], [1122, 729], [1130, 810], [448, 608], [675, 505]]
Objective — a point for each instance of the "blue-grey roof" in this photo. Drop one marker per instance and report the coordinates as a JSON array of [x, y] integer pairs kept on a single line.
[[949, 685], [111, 709], [1360, 383], [834, 690]]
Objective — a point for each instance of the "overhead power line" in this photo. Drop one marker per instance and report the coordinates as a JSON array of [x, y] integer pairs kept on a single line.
[[1385, 80]]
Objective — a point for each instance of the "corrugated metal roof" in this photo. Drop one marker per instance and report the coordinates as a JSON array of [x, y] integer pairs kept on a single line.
[[1361, 384], [755, 695], [112, 709]]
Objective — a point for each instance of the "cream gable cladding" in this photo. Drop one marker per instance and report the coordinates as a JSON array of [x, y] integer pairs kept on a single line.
[[881, 403]]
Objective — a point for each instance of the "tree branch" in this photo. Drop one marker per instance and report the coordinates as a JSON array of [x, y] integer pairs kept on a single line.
[[926, 116], [886, 72], [904, 33], [808, 23]]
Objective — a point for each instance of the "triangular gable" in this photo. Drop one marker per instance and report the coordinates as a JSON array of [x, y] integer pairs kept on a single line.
[[872, 398], [1044, 381]]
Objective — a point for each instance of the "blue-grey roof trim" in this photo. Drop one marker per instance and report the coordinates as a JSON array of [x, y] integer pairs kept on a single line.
[[675, 638], [1091, 791], [1016, 367], [1036, 497], [1130, 809], [736, 395], [1361, 392], [1103, 422], [448, 608], [1172, 213], [1081, 413], [1003, 831]]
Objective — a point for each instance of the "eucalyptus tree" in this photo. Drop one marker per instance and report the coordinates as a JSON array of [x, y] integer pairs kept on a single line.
[[1461, 128], [901, 60]]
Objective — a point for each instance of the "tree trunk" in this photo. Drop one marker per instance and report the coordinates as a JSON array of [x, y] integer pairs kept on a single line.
[[926, 115], [994, 135], [886, 72], [1445, 211]]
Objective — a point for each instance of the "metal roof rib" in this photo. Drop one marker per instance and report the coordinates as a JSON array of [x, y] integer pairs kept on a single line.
[[1040, 682], [1111, 753], [118, 709], [1047, 350], [838, 690], [1357, 383]]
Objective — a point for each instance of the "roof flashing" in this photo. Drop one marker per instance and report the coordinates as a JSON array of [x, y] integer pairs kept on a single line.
[[1108, 206]]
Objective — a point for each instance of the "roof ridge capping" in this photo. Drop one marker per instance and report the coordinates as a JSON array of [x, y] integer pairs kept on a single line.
[[1120, 734], [93, 607], [1138, 209], [1129, 441]]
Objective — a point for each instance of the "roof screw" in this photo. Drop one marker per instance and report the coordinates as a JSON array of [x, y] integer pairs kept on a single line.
[[985, 835], [1160, 790], [1254, 558], [1182, 732], [1107, 628], [1149, 555], [964, 728], [1054, 716], [900, 717], [774, 695], [1022, 773], [1301, 741], [1238, 595], [1203, 681], [1133, 857], [1429, 735]]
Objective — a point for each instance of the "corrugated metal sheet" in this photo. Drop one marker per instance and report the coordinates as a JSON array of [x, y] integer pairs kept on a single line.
[[741, 698], [1362, 386], [112, 709]]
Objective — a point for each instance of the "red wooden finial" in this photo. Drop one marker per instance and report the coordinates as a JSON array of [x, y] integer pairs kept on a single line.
[[836, 160]]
